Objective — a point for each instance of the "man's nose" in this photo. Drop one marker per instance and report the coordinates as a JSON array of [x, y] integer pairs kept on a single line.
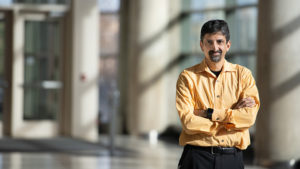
[[215, 46]]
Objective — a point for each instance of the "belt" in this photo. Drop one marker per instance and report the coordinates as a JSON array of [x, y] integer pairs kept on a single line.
[[215, 150]]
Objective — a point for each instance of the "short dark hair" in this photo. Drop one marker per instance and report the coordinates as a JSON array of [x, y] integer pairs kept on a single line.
[[213, 26]]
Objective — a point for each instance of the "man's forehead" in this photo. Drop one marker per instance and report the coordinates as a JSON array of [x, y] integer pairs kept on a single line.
[[215, 35]]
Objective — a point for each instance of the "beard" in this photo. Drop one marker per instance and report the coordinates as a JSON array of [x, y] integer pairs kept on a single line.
[[213, 57]]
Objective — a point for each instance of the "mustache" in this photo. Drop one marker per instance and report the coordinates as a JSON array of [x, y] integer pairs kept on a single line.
[[211, 52]]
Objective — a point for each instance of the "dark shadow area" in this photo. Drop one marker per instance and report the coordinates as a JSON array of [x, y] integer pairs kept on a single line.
[[297, 165], [60, 145], [159, 75], [176, 20], [171, 135], [286, 87], [286, 30]]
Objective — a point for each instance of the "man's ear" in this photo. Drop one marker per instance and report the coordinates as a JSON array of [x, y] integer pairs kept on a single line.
[[201, 45], [228, 45]]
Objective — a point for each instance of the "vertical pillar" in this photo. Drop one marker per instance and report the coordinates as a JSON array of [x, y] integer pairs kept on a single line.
[[84, 69], [277, 128], [17, 73], [174, 67], [7, 108], [146, 51]]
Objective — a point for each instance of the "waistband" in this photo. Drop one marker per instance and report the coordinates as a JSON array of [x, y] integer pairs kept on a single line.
[[215, 150]]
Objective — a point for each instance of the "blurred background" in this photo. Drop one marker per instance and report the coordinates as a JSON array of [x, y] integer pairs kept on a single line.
[[91, 83]]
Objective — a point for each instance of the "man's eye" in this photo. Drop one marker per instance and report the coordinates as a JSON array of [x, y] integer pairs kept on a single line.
[[209, 42], [219, 41]]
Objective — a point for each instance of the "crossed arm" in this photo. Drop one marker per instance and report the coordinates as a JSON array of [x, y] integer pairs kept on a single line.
[[245, 102], [241, 116]]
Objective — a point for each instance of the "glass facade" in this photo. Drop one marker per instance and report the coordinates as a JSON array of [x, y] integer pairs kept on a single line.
[[243, 25], [42, 67], [109, 41], [41, 1], [109, 5], [6, 2], [241, 16], [202, 4]]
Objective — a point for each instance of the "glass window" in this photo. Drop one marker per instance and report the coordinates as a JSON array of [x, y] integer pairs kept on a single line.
[[109, 5], [42, 1], [109, 44], [246, 60], [5, 2], [245, 2], [42, 64], [202, 4], [243, 27]]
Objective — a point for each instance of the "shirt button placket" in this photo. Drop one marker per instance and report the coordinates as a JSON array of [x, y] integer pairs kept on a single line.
[[217, 93]]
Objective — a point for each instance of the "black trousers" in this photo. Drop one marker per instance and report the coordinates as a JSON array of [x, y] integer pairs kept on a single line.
[[197, 158]]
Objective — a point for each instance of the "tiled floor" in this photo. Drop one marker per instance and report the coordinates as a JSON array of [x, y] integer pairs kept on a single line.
[[131, 153]]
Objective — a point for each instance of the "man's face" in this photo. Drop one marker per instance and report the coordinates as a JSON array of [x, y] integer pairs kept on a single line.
[[214, 46]]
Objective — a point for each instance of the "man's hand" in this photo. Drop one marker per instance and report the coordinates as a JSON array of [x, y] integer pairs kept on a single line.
[[245, 102]]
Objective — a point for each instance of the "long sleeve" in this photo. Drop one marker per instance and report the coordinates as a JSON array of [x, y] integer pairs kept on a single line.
[[242, 118], [191, 123], [198, 89]]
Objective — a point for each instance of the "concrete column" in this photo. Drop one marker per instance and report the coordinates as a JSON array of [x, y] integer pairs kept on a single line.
[[84, 69], [174, 67], [277, 131], [146, 55]]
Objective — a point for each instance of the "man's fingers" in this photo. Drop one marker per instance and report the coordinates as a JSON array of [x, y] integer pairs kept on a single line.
[[248, 99], [239, 105], [250, 102], [247, 103], [243, 104]]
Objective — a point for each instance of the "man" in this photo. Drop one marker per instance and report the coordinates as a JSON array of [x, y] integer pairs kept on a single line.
[[217, 103]]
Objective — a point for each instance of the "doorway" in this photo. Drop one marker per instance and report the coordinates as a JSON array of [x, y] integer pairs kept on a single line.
[[38, 68]]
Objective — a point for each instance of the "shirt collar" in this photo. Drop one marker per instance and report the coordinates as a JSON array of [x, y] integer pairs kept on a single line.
[[227, 67]]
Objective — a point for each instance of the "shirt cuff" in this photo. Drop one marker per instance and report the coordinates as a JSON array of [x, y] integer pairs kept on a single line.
[[218, 115]]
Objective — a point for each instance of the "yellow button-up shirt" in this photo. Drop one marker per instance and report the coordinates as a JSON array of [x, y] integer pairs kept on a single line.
[[198, 89]]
